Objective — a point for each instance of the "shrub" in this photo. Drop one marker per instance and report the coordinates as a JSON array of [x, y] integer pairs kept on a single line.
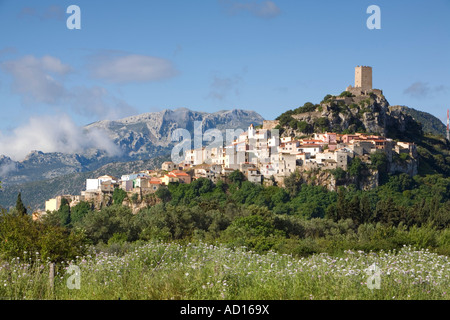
[[346, 94], [119, 195], [327, 98], [22, 237]]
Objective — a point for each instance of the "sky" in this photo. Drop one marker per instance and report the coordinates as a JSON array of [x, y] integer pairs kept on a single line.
[[270, 56]]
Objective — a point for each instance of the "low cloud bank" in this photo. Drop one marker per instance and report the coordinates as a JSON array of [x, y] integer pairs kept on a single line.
[[57, 133]]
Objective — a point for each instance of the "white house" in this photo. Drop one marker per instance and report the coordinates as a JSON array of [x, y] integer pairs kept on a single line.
[[93, 184]]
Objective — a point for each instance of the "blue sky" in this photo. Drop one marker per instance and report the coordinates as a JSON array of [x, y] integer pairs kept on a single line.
[[132, 57]]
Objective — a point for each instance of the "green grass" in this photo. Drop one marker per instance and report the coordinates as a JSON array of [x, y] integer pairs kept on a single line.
[[159, 271]]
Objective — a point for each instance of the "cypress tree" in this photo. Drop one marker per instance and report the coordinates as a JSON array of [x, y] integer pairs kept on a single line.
[[21, 210]]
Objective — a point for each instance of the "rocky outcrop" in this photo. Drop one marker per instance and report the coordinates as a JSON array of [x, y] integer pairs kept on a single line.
[[325, 178], [369, 113]]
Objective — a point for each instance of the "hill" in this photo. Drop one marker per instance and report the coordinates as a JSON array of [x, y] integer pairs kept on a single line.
[[371, 113], [430, 124]]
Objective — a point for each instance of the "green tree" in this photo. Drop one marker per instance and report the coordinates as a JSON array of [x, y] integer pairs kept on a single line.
[[339, 174], [22, 237], [304, 127], [321, 124], [326, 98], [256, 231], [119, 195], [78, 212], [346, 94], [64, 213], [293, 183], [357, 168], [236, 177], [379, 161], [20, 208], [102, 225], [163, 194]]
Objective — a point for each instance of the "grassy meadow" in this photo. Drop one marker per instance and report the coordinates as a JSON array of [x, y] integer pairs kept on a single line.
[[166, 271]]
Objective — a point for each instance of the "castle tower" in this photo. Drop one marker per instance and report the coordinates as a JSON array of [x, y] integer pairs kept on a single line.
[[363, 77]]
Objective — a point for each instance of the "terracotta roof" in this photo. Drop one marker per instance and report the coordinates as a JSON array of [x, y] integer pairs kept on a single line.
[[312, 140], [179, 173]]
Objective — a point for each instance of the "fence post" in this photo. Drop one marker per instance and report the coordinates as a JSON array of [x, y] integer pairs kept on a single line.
[[51, 276]]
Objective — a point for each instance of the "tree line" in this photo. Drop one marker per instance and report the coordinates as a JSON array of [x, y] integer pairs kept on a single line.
[[296, 219]]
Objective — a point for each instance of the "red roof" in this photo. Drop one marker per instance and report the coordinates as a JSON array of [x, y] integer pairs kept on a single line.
[[179, 173]]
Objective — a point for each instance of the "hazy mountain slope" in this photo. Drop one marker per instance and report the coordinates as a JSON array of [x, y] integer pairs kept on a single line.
[[35, 193]]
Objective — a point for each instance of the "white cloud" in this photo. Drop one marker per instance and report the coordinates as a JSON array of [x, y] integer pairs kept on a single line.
[[7, 168], [421, 90], [37, 79], [131, 68], [41, 80], [262, 9], [53, 134]]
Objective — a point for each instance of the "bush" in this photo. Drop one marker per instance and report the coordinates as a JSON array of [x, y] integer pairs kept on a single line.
[[346, 94], [119, 195], [102, 225], [326, 99], [339, 174], [22, 237]]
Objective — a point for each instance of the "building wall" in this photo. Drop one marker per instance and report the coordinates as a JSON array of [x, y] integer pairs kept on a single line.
[[127, 185], [342, 160], [51, 205], [92, 184], [254, 177], [168, 166]]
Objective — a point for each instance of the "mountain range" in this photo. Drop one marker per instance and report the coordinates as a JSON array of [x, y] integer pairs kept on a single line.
[[139, 137]]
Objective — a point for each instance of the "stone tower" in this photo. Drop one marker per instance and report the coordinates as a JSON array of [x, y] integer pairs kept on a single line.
[[363, 77]]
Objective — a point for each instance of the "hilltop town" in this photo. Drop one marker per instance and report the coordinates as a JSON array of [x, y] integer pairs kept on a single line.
[[262, 155]]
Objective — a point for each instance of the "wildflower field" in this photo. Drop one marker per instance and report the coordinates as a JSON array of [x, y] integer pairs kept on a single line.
[[161, 271]]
